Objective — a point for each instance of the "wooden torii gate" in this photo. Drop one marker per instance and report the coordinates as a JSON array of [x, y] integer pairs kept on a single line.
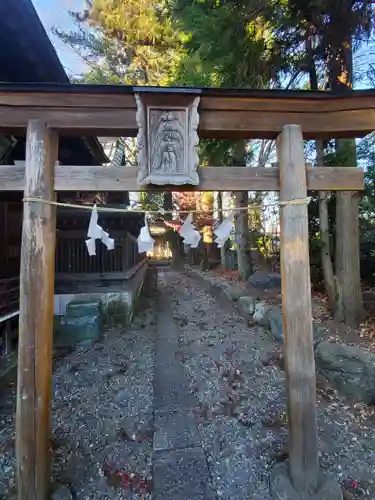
[[49, 111]]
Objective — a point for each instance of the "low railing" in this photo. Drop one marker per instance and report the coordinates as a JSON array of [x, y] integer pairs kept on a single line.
[[9, 295], [72, 256]]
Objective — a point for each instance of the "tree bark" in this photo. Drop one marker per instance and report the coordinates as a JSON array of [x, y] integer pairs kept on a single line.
[[177, 249], [349, 304], [242, 235], [325, 250], [242, 220], [224, 249], [173, 238]]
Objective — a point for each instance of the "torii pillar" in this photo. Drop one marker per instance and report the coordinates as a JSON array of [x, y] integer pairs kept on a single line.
[[300, 478]]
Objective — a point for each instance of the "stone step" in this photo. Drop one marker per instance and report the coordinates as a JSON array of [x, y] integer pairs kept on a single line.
[[83, 308], [82, 323]]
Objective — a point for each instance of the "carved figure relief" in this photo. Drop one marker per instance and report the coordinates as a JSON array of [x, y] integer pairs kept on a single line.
[[167, 141]]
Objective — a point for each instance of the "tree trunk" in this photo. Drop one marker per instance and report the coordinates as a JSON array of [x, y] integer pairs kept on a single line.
[[173, 238], [242, 220], [177, 249], [349, 304], [325, 250], [224, 249], [242, 236]]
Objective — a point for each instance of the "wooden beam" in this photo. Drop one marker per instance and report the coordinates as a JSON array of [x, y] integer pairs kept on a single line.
[[36, 317], [82, 178], [112, 112], [297, 314], [267, 125]]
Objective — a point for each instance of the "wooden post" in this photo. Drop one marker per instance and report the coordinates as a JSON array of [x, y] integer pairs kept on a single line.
[[124, 244], [129, 252], [297, 314], [36, 316]]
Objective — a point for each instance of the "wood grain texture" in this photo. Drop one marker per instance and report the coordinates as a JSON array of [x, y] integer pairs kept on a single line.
[[36, 317], [297, 314], [82, 178], [234, 117], [267, 125], [302, 104]]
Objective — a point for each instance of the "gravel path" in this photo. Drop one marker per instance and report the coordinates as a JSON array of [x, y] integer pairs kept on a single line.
[[195, 399], [237, 374], [102, 416]]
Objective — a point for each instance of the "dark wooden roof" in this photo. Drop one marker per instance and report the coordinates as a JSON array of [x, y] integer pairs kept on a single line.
[[27, 55]]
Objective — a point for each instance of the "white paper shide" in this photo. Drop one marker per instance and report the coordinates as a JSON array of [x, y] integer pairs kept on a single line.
[[145, 240], [96, 232], [223, 231], [188, 232]]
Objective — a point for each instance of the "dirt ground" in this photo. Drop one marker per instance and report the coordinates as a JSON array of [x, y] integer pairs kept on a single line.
[[114, 428]]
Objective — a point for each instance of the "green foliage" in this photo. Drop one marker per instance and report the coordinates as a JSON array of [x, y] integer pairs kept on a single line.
[[116, 313], [265, 244], [131, 41], [225, 46], [151, 202], [366, 158]]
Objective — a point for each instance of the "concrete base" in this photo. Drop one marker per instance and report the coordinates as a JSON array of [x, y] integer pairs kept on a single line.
[[115, 294], [281, 487]]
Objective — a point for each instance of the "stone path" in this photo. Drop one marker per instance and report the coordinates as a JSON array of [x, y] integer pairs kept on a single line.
[[237, 375], [179, 463]]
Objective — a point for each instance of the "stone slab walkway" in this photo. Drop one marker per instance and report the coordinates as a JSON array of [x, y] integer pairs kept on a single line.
[[180, 468]]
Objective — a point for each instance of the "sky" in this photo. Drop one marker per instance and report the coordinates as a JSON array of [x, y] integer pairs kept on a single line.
[[55, 13]]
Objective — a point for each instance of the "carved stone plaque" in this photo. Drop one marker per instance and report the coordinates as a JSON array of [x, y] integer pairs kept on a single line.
[[167, 144]]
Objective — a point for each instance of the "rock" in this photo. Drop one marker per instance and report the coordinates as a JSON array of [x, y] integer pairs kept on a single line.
[[276, 323], [260, 315], [266, 281], [281, 487], [369, 300], [62, 492], [233, 292], [247, 305], [222, 285], [215, 282], [368, 297], [319, 333], [350, 369]]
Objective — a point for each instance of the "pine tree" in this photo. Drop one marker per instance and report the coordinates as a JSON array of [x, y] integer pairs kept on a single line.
[[132, 41]]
